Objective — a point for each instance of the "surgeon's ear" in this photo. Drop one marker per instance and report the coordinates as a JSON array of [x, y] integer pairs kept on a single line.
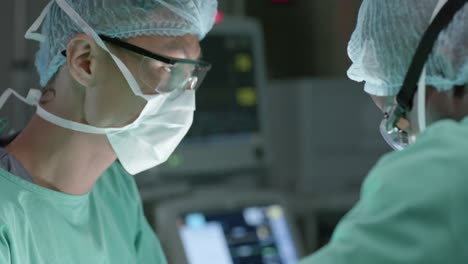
[[81, 59]]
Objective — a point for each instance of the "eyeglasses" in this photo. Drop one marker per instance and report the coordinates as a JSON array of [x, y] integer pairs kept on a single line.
[[164, 74], [395, 128]]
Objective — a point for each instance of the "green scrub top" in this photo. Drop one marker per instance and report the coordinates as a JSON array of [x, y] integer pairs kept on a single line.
[[413, 206], [107, 225]]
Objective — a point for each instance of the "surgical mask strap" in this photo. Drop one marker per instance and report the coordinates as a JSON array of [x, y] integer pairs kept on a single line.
[[70, 124], [31, 99], [31, 32]]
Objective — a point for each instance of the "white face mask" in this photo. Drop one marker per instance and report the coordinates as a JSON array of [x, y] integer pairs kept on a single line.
[[151, 138]]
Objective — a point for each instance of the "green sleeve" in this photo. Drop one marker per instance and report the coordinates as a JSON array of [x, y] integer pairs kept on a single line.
[[405, 214]]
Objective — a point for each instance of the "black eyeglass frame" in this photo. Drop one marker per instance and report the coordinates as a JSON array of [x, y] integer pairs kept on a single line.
[[146, 53]]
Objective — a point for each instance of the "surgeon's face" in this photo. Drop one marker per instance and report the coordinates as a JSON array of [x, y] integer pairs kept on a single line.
[[111, 102]]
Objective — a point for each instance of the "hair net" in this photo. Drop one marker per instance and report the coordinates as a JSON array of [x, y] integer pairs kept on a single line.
[[121, 19], [386, 37]]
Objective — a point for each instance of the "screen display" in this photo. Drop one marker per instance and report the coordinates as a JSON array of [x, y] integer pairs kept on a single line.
[[249, 235], [227, 98]]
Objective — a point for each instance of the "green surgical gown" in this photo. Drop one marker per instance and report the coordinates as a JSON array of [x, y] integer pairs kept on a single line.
[[413, 206], [41, 226]]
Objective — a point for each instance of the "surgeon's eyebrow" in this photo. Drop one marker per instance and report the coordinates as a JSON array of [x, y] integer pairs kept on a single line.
[[175, 46]]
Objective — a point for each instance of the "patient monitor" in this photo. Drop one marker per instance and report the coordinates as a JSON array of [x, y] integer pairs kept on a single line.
[[226, 228]]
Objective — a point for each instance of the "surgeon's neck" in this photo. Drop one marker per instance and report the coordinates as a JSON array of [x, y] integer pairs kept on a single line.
[[60, 159]]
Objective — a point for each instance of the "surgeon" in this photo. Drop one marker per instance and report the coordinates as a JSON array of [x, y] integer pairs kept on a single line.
[[413, 57], [118, 82]]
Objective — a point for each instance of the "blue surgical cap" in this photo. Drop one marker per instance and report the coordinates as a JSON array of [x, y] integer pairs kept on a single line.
[[121, 19], [386, 37]]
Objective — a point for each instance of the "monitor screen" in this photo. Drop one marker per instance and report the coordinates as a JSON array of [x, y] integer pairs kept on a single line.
[[247, 235], [227, 98]]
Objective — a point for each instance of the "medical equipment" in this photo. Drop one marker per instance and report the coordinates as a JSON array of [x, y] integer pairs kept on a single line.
[[237, 228]]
